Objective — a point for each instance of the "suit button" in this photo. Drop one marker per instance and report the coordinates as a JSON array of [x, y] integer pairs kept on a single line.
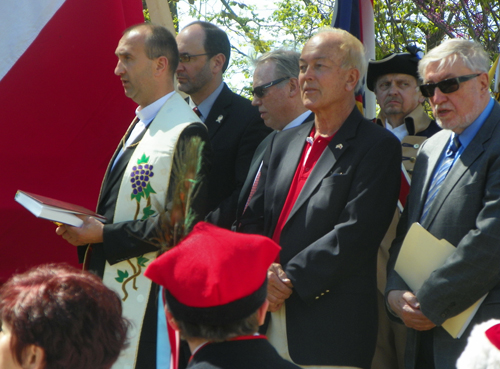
[[317, 297], [322, 294], [416, 146], [327, 291]]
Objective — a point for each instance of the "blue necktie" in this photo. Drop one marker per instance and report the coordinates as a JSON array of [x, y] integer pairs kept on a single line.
[[440, 175]]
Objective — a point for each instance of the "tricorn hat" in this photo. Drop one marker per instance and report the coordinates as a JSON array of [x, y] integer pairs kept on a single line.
[[405, 63], [214, 276]]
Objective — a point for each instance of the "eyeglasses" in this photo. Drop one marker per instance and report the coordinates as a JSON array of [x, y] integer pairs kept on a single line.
[[446, 86], [259, 91], [186, 58]]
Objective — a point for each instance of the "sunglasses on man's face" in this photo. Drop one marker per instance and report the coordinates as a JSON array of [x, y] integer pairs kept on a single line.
[[446, 86], [259, 91]]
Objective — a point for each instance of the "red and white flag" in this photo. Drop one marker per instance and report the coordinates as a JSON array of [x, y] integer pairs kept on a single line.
[[63, 113]]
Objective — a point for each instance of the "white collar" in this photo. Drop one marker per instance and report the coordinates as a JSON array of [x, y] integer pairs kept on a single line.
[[148, 113]]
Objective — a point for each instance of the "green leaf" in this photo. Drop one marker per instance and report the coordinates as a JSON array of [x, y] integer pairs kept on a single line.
[[141, 260], [147, 211], [144, 159], [148, 190], [137, 197], [122, 275]]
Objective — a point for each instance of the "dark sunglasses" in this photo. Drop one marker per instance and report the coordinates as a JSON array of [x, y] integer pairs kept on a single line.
[[186, 58], [446, 86], [260, 90]]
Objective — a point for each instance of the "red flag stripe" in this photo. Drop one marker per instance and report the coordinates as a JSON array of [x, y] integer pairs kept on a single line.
[[64, 112]]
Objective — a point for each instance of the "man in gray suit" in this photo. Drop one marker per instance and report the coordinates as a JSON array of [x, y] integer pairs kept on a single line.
[[276, 93], [464, 208], [280, 107]]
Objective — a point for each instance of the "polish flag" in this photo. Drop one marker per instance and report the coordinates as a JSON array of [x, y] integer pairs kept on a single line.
[[63, 113]]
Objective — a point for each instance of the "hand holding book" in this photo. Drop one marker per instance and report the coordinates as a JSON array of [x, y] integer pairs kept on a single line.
[[91, 231]]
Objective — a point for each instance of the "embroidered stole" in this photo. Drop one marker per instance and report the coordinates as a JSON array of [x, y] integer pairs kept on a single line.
[[147, 175]]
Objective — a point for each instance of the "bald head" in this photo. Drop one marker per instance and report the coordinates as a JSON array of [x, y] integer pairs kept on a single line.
[[331, 66]]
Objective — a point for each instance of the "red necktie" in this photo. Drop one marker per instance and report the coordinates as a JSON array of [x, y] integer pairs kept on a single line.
[[253, 189], [197, 111]]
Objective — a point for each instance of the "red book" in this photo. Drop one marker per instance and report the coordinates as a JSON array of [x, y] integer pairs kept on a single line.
[[55, 210]]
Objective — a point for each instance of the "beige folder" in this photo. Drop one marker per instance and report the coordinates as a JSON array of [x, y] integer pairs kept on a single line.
[[420, 255]]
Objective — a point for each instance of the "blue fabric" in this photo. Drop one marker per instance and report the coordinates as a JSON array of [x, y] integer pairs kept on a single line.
[[441, 173], [348, 17], [470, 132], [456, 146], [162, 342]]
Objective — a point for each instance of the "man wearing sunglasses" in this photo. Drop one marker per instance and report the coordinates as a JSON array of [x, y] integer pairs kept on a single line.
[[276, 93], [234, 125], [394, 80], [327, 194], [455, 195]]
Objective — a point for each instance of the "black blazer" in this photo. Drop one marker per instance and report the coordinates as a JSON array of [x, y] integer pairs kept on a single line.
[[244, 354], [254, 167], [330, 240], [234, 141]]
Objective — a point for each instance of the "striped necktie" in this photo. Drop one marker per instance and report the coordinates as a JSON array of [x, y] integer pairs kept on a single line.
[[440, 175], [253, 189]]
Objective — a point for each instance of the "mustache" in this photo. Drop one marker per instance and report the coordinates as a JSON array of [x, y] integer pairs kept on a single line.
[[389, 99]]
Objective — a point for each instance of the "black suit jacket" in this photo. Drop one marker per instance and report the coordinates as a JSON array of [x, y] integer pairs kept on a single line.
[[245, 354], [330, 240], [234, 141], [254, 167]]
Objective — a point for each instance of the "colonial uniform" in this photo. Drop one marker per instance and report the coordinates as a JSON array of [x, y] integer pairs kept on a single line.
[[418, 126]]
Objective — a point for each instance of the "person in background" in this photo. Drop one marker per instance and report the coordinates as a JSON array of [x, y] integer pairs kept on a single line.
[[55, 316], [276, 92], [233, 124], [394, 80]]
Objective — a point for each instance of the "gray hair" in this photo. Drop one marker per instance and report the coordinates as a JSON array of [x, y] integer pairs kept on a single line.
[[353, 52], [470, 52], [286, 61]]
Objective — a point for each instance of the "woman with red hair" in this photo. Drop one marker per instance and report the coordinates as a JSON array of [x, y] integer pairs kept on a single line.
[[57, 317]]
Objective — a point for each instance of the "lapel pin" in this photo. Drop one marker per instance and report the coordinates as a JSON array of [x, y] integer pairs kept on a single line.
[[219, 119], [339, 146]]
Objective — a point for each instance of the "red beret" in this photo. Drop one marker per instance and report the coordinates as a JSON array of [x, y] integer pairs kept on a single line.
[[214, 270], [493, 335]]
